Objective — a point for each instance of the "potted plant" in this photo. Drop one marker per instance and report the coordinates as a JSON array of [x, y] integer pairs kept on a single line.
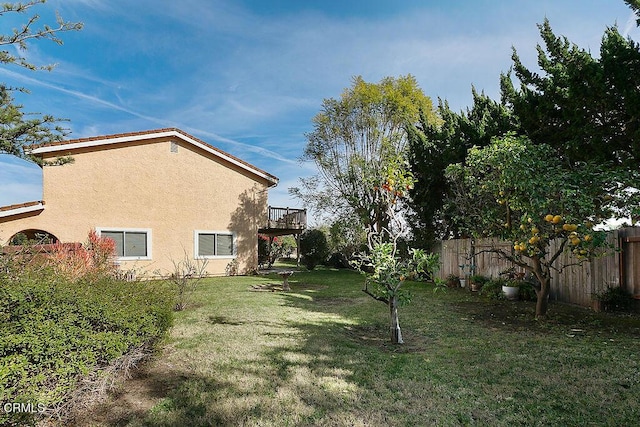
[[514, 280], [476, 281], [597, 303], [453, 281], [511, 289], [464, 275]]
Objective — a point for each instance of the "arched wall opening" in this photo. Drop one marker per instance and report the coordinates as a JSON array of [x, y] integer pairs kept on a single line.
[[33, 236]]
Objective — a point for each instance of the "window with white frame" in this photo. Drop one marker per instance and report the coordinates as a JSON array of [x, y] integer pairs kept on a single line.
[[210, 244], [130, 243]]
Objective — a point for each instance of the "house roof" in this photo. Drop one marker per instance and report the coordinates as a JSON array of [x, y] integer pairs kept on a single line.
[[21, 208], [97, 141]]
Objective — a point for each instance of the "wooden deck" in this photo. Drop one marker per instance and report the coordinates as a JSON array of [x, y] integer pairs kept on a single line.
[[283, 221]]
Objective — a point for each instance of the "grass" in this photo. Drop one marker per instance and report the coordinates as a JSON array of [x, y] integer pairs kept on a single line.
[[320, 355]]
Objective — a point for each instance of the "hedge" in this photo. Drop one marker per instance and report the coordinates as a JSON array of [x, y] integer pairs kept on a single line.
[[55, 332]]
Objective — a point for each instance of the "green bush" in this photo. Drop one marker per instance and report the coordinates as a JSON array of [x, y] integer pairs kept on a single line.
[[313, 248], [492, 289], [54, 331], [614, 299], [526, 291]]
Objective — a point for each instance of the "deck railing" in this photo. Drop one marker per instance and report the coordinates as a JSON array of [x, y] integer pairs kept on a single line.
[[287, 218]]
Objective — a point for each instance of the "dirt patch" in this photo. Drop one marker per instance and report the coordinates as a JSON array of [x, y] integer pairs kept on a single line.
[[295, 287], [268, 287], [131, 399], [222, 320], [378, 336], [520, 315]]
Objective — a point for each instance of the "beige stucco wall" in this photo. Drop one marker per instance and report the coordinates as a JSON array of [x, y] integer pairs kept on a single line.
[[147, 186]]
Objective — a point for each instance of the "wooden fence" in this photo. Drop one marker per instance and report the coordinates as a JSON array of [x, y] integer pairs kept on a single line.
[[574, 284]]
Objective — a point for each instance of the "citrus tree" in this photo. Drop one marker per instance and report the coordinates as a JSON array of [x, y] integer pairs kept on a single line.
[[521, 192], [386, 272], [384, 269]]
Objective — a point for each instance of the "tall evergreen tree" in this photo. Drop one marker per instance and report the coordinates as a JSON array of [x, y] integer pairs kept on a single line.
[[435, 145], [587, 109]]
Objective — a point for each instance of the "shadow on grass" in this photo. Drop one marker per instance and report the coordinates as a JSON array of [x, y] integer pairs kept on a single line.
[[136, 401], [518, 316], [324, 358], [307, 371]]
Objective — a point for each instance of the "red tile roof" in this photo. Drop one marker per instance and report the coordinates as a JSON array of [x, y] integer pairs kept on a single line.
[[21, 205]]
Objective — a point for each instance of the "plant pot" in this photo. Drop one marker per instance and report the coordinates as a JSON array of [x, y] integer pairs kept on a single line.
[[511, 292], [463, 283], [453, 283], [475, 287]]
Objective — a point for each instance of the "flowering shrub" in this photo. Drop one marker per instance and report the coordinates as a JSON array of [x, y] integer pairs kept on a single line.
[[95, 257], [269, 255], [67, 324]]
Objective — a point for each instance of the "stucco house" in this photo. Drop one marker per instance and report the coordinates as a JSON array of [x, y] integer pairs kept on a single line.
[[160, 194]]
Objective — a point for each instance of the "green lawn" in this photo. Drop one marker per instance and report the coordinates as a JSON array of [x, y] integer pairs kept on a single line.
[[319, 355]]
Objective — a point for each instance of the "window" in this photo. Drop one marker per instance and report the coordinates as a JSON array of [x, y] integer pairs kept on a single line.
[[130, 243], [214, 244]]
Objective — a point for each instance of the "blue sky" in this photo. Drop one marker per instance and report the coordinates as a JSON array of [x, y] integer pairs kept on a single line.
[[248, 76]]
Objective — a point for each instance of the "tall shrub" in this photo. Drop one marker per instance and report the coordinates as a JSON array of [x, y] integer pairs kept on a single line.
[[313, 248], [96, 258], [64, 325], [269, 253]]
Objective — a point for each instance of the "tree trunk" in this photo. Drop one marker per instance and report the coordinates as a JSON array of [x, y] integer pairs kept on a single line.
[[542, 302], [396, 334], [543, 274]]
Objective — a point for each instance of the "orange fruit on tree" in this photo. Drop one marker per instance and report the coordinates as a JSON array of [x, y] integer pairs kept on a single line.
[[548, 218], [557, 219]]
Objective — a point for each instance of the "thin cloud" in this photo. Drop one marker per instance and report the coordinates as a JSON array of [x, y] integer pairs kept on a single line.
[[162, 122], [631, 26], [251, 78]]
